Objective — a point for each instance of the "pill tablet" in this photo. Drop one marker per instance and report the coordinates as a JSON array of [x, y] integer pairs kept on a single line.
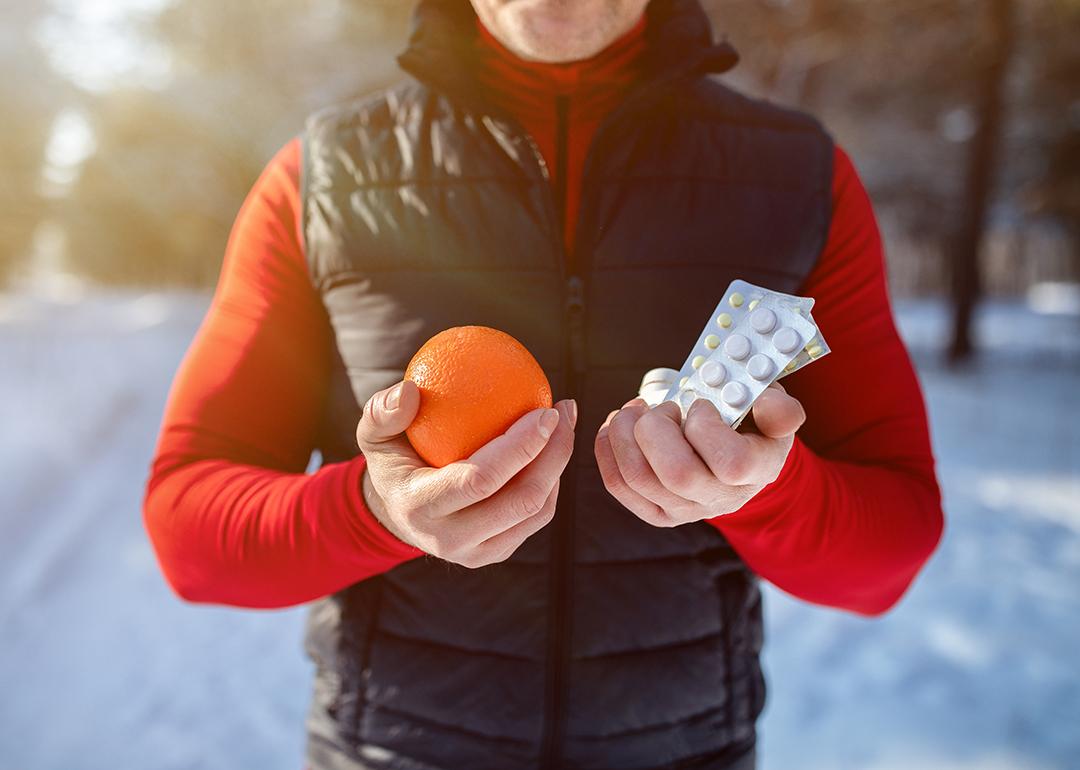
[[736, 299], [686, 398], [661, 376], [737, 346], [724, 320], [814, 351], [734, 394], [713, 373], [760, 367], [683, 381], [787, 340], [753, 304], [712, 342], [697, 362], [763, 320]]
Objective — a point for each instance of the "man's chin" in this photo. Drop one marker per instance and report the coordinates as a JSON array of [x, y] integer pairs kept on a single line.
[[555, 41]]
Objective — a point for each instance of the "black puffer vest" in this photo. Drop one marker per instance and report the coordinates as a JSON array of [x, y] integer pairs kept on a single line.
[[603, 642]]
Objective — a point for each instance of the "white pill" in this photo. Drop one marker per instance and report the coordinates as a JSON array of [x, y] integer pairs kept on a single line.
[[661, 376], [734, 394], [713, 373], [737, 346], [787, 340], [760, 367], [686, 398], [763, 320]]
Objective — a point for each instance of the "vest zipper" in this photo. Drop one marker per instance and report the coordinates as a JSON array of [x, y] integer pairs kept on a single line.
[[562, 540]]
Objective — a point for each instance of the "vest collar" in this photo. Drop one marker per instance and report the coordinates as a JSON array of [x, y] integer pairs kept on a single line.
[[679, 44]]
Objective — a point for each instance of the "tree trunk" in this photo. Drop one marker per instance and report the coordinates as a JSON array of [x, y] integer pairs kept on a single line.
[[979, 178]]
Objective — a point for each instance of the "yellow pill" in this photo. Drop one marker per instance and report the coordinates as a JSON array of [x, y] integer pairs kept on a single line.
[[712, 342], [683, 381], [697, 362], [814, 351], [736, 300], [791, 366], [724, 320], [753, 304]]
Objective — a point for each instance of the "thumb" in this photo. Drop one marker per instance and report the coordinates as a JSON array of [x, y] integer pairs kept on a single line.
[[776, 414], [387, 414]]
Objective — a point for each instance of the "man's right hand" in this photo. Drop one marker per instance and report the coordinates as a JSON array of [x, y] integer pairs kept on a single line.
[[474, 512]]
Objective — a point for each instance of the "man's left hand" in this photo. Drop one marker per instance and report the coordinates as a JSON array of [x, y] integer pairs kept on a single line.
[[669, 473]]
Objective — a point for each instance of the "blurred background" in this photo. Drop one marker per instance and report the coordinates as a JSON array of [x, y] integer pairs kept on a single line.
[[132, 130]]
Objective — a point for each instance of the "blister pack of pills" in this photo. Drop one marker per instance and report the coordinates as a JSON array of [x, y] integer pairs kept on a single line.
[[753, 338]]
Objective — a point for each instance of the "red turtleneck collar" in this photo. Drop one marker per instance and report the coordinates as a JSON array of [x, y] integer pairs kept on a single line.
[[585, 91]]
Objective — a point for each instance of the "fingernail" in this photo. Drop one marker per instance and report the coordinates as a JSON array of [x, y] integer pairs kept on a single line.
[[548, 420], [573, 413], [393, 398]]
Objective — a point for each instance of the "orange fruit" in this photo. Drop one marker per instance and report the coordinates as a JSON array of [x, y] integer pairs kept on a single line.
[[474, 383]]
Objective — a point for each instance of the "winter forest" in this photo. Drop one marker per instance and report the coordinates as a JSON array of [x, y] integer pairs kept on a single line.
[[133, 130]]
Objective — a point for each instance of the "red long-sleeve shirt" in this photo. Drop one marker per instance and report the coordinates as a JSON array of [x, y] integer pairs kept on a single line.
[[235, 520]]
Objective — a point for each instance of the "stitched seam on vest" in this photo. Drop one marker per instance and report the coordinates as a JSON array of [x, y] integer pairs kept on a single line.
[[666, 646], [692, 760], [696, 716], [457, 647], [334, 275], [728, 181], [434, 182], [709, 265], [447, 727], [679, 557], [759, 125]]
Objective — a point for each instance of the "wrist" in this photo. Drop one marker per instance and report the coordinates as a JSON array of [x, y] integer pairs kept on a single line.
[[377, 507]]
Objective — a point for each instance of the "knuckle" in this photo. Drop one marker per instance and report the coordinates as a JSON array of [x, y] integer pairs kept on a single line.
[[652, 516], [737, 468], [679, 478], [623, 421], [524, 451], [636, 475], [447, 546], [479, 483], [530, 499], [646, 424], [413, 518], [565, 445]]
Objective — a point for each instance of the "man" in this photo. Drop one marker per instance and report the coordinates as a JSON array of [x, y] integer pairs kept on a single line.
[[582, 592]]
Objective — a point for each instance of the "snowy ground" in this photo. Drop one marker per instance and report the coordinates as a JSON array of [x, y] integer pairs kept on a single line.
[[101, 668]]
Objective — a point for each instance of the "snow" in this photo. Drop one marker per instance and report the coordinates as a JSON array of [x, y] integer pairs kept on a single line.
[[102, 668]]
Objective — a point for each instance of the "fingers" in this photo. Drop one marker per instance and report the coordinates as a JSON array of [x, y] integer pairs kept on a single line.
[[640, 506], [386, 415], [659, 434], [634, 468], [525, 494], [735, 459], [776, 414], [501, 547], [461, 484]]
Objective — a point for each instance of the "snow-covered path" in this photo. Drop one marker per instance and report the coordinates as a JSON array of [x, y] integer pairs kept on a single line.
[[102, 668]]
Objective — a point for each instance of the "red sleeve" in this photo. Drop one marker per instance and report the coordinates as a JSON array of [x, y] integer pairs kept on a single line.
[[232, 515], [856, 511]]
